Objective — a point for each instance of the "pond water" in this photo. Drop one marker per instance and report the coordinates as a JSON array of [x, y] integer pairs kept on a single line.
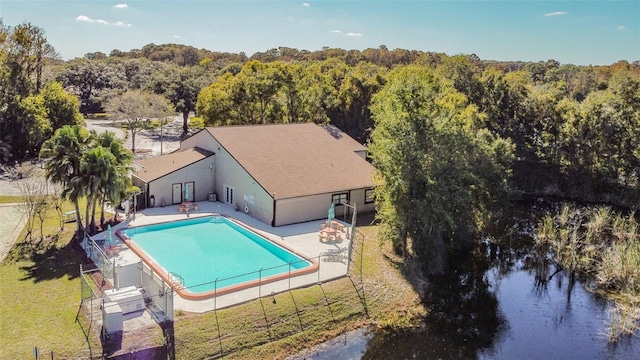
[[500, 302]]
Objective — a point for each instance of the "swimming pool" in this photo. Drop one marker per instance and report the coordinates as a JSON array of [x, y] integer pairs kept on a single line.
[[204, 249]]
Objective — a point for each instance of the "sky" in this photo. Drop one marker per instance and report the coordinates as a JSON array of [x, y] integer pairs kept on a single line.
[[580, 32]]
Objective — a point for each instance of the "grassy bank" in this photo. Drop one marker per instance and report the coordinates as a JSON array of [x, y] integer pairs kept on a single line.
[[39, 300], [301, 318]]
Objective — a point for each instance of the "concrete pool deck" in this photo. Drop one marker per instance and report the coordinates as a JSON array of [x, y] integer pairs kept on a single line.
[[301, 238]]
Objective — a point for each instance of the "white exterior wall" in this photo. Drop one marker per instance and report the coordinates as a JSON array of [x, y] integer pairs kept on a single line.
[[357, 197], [202, 139], [200, 173], [301, 209], [229, 172], [315, 207]]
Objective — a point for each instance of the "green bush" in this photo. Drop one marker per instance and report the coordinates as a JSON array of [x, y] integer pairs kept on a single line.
[[196, 122]]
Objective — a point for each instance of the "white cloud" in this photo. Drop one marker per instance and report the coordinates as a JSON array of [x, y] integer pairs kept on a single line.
[[621, 27], [305, 4], [84, 18], [352, 34], [100, 21], [120, 23], [336, 31], [121, 6], [556, 13], [177, 37]]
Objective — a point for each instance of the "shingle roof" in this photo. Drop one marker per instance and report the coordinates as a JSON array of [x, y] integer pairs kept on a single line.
[[292, 160], [345, 139], [157, 167]]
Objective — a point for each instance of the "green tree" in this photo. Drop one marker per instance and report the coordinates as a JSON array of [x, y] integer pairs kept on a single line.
[[464, 75], [356, 89], [115, 182], [503, 103], [97, 168], [316, 94], [440, 173], [41, 114], [24, 122], [62, 107], [34, 127], [306, 93], [215, 103], [86, 78], [181, 86], [545, 141], [28, 50], [90, 165], [63, 152], [257, 86], [6, 150]]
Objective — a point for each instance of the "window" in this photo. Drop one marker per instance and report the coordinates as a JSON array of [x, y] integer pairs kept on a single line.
[[369, 197], [338, 199]]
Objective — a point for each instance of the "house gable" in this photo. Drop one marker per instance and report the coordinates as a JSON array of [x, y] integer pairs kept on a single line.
[[154, 168]]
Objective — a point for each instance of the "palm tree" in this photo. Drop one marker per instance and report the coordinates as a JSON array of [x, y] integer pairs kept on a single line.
[[87, 164], [98, 166], [64, 151], [116, 179]]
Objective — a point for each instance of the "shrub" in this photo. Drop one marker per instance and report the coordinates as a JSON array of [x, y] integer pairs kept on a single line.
[[196, 122]]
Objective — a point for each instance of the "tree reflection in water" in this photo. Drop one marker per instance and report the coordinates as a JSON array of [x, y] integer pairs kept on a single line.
[[464, 317], [506, 299]]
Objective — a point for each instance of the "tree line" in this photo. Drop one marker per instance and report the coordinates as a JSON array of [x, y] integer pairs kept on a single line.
[[451, 136]]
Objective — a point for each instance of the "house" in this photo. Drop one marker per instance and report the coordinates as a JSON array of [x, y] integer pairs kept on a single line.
[[279, 174]]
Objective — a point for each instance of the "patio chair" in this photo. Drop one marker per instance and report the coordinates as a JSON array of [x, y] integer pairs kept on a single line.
[[338, 254]]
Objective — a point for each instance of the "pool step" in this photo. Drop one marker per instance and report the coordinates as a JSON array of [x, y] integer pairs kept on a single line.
[[217, 220], [176, 280]]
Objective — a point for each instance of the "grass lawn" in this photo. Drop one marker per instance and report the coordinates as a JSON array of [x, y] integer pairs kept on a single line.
[[10, 199], [38, 305], [302, 318], [39, 301]]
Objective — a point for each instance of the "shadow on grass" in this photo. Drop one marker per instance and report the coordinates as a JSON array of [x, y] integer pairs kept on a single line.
[[54, 263], [157, 353], [85, 322], [112, 347]]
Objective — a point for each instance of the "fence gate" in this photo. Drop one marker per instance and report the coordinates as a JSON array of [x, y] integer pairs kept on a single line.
[[158, 292]]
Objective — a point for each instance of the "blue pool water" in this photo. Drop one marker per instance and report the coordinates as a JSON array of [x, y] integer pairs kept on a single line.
[[202, 250]]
